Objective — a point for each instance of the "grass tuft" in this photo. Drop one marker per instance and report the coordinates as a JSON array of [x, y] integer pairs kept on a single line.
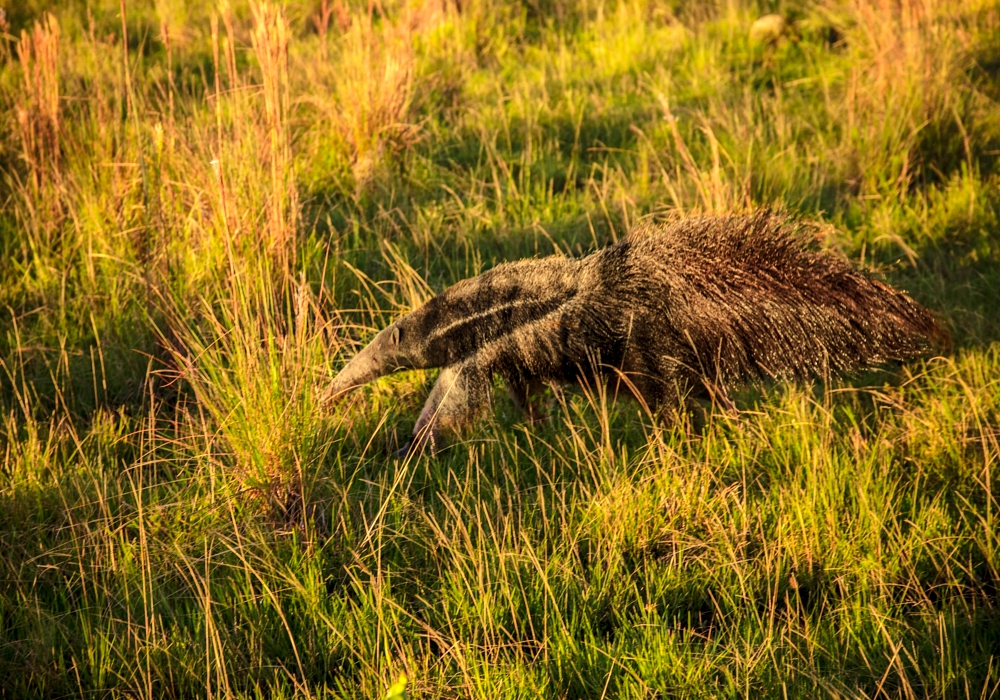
[[37, 109]]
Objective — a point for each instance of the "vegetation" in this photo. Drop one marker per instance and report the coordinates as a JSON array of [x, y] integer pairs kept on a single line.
[[208, 208]]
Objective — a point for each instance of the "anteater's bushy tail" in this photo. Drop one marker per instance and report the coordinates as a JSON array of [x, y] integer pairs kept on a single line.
[[769, 304]]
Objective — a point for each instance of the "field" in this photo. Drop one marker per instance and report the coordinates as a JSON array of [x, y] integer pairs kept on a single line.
[[207, 209]]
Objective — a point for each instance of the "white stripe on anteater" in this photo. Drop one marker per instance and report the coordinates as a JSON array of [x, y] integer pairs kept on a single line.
[[473, 318]]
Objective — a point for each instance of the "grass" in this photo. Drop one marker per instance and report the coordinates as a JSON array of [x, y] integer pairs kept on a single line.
[[208, 209]]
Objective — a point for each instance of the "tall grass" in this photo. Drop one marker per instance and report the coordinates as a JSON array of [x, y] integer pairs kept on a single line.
[[210, 207], [270, 38], [364, 99], [38, 107], [37, 111]]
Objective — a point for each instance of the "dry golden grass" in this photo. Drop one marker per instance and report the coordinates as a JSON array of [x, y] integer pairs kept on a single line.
[[37, 109], [373, 94], [270, 38]]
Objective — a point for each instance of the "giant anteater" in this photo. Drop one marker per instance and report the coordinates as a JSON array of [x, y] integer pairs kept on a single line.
[[669, 312]]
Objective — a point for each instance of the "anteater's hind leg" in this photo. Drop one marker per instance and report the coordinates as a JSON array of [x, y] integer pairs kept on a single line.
[[666, 392], [639, 378], [460, 393], [525, 394]]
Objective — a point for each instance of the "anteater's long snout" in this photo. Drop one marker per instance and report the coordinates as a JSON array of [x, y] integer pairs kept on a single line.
[[363, 368]]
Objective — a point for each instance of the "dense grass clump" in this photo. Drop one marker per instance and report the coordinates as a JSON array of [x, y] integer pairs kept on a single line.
[[208, 208]]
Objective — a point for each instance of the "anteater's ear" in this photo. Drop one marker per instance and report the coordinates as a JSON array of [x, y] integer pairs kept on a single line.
[[394, 336]]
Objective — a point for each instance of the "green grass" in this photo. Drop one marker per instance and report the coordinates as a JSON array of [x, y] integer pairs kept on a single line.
[[197, 235]]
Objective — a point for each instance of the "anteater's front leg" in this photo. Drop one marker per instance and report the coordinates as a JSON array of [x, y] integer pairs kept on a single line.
[[462, 390]]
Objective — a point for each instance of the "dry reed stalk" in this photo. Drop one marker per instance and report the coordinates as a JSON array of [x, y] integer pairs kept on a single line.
[[716, 194], [321, 22], [907, 82], [269, 38], [4, 32], [37, 109], [374, 94], [226, 10], [171, 87], [903, 39]]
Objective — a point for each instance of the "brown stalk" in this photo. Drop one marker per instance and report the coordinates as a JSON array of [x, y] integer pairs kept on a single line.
[[270, 38], [37, 109]]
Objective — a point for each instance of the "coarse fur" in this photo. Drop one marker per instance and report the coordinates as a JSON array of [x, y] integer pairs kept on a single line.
[[672, 311]]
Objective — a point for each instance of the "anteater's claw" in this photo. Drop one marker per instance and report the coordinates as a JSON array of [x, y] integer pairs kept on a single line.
[[404, 451], [416, 445]]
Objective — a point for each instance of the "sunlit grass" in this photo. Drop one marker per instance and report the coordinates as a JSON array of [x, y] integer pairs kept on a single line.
[[205, 220]]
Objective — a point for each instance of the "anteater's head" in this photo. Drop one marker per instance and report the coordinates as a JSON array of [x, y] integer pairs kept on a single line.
[[397, 347]]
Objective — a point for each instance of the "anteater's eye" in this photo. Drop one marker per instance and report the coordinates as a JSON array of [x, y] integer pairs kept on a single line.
[[396, 335]]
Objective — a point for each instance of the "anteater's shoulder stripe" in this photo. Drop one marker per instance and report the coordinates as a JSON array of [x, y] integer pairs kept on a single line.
[[501, 312]]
